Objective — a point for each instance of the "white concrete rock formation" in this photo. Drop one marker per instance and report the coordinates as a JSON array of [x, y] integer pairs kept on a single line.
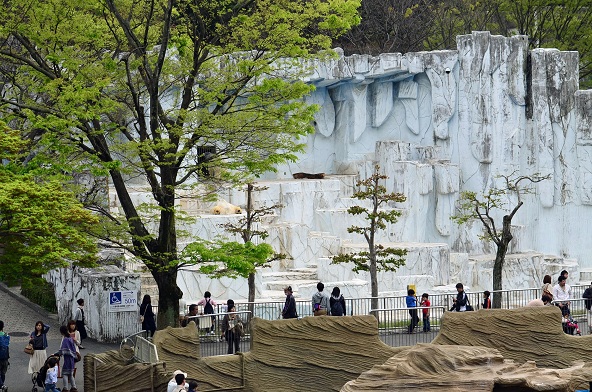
[[438, 123]]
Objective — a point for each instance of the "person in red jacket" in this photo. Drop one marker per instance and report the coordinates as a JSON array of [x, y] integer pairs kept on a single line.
[[486, 300]]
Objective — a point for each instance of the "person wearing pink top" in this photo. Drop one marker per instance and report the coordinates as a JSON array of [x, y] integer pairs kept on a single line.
[[208, 307]]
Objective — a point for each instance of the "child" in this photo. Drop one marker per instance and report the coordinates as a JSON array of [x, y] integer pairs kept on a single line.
[[411, 301], [425, 302], [486, 300], [192, 386], [51, 377]]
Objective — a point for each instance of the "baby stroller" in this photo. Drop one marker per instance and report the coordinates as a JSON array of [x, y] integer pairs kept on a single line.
[[38, 378], [570, 326]]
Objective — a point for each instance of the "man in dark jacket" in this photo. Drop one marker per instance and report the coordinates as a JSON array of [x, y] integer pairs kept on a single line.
[[460, 302], [588, 303]]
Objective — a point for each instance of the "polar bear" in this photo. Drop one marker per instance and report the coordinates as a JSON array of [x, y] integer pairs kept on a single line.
[[223, 207]]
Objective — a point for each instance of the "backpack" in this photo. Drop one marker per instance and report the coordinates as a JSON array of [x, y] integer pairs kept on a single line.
[[4, 342], [337, 308], [208, 308]]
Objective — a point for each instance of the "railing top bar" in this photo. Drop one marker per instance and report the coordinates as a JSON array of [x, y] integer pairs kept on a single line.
[[219, 314], [569, 300], [136, 334], [416, 307]]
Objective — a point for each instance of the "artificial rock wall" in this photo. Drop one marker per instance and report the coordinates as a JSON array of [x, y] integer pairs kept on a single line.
[[438, 123]]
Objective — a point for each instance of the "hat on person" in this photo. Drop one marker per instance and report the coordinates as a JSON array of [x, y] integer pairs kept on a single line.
[[179, 372]]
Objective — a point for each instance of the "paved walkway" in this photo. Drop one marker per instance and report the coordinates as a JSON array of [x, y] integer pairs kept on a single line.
[[20, 316]]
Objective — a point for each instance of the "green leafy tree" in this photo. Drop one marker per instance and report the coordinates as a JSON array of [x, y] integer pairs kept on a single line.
[[164, 91], [377, 257], [565, 25], [490, 205], [42, 224], [390, 26], [233, 259]]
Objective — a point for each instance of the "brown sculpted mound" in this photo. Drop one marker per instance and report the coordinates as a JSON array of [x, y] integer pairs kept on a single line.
[[429, 367], [488, 350], [312, 354], [524, 334]]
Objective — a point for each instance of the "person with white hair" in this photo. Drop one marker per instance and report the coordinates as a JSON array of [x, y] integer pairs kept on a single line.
[[177, 383]]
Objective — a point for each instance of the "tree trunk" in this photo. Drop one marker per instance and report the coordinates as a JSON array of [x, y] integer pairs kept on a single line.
[[169, 295], [500, 257], [251, 292], [373, 283], [498, 266]]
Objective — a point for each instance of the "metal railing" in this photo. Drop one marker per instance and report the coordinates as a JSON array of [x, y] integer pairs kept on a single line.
[[395, 326], [393, 315], [138, 348], [213, 341]]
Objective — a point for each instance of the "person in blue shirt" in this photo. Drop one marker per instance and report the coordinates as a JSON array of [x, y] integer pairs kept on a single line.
[[411, 300], [51, 377], [4, 356]]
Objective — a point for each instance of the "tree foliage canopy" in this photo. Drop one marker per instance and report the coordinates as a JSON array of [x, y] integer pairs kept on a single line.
[[42, 224], [163, 91], [413, 25]]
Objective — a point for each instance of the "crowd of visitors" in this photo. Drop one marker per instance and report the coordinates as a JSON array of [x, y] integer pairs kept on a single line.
[[39, 362]]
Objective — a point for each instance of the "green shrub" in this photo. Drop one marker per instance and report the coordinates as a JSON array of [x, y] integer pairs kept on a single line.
[[41, 292]]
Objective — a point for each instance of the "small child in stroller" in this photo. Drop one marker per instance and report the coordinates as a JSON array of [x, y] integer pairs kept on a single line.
[[570, 326], [47, 376]]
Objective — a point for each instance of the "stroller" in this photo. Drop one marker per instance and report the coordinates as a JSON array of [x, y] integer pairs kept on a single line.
[[38, 378], [570, 326]]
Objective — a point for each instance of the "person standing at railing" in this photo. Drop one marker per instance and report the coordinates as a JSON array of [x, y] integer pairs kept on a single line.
[[425, 303], [289, 310], [232, 327], [190, 316], [486, 300], [411, 300], [547, 287], [562, 294], [588, 304], [320, 302], [337, 303], [208, 308]]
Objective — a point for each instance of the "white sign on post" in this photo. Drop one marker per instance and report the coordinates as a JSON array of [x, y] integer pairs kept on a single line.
[[123, 301]]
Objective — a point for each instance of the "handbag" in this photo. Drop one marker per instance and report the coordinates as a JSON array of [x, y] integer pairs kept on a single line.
[[29, 349], [78, 357], [468, 307], [238, 328]]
